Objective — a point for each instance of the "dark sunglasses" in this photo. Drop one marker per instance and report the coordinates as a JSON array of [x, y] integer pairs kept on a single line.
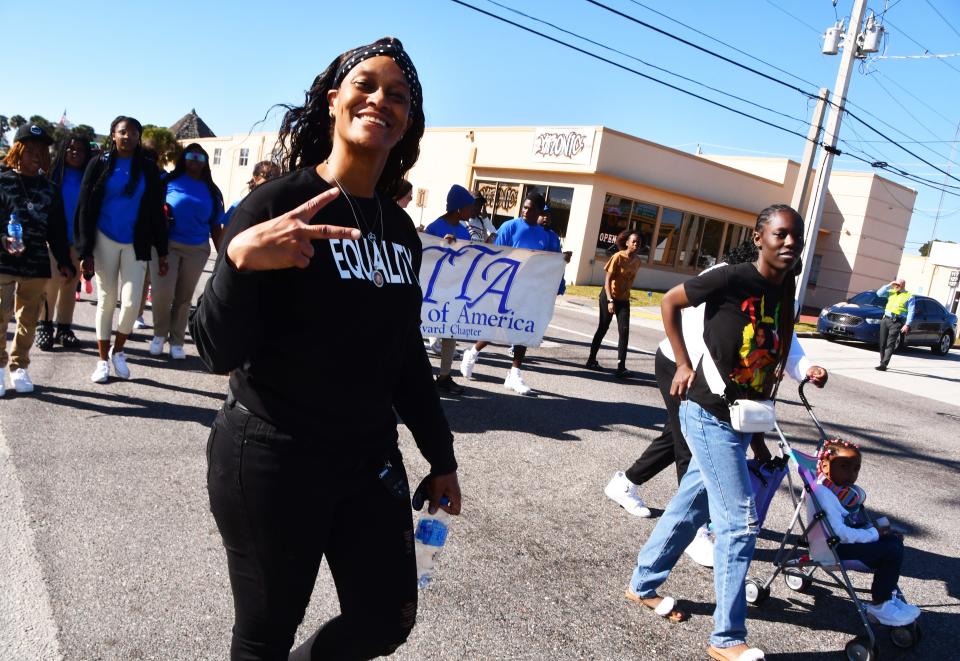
[[195, 156]]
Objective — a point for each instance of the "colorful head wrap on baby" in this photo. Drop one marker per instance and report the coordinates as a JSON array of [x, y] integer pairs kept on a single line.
[[393, 50]]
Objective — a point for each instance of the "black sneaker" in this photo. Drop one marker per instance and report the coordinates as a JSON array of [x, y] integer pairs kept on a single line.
[[622, 372], [448, 386], [66, 337], [44, 338], [592, 364]]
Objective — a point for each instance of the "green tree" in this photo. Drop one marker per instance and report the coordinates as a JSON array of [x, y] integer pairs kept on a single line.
[[17, 121], [163, 142], [86, 130], [925, 248], [4, 127]]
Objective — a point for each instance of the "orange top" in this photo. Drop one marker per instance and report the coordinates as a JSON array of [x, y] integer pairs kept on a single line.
[[622, 269]]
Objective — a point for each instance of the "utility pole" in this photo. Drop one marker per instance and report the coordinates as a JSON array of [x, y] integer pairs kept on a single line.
[[799, 200], [830, 137]]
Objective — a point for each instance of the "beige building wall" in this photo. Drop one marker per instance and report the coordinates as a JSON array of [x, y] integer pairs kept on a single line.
[[930, 276], [864, 226]]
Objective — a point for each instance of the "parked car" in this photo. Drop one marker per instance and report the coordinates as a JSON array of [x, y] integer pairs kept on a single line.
[[859, 319]]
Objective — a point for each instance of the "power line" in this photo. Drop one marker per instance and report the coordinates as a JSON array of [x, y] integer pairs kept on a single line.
[[798, 20], [907, 110], [925, 49], [918, 99], [645, 63], [719, 41], [629, 69], [702, 49], [943, 18]]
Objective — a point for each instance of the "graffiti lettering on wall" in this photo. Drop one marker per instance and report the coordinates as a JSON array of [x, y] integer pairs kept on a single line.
[[507, 199], [564, 145]]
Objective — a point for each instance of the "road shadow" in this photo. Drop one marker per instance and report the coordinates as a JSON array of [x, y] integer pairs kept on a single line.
[[110, 403]]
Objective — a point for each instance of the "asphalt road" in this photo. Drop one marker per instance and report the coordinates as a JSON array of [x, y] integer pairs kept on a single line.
[[109, 543]]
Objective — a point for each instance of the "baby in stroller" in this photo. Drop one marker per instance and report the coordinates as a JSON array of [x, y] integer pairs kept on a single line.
[[875, 545]]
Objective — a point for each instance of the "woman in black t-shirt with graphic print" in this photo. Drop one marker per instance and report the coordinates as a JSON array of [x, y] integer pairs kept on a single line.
[[303, 457], [748, 326]]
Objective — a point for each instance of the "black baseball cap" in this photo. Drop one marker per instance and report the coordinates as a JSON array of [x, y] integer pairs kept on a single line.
[[32, 132]]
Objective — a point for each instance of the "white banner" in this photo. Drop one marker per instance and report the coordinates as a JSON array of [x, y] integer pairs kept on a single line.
[[479, 291]]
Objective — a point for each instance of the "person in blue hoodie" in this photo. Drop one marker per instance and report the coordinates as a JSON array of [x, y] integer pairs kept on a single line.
[[196, 210], [67, 170]]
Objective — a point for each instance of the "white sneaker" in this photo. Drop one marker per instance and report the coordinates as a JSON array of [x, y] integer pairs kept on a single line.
[[119, 360], [907, 609], [624, 493], [514, 382], [468, 362], [139, 323], [3, 381], [20, 379], [434, 346], [888, 613], [156, 346], [177, 352], [701, 548], [101, 373]]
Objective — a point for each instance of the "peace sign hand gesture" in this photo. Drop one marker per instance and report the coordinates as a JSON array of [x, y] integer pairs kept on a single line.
[[284, 241]]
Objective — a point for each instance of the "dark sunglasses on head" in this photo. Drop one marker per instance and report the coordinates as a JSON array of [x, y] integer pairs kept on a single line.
[[195, 156]]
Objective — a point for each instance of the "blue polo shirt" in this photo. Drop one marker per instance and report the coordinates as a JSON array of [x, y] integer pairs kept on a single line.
[[517, 233], [118, 213], [193, 210], [441, 228]]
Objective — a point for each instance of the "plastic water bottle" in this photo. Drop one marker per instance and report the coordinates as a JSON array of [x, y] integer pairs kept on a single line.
[[15, 234], [429, 537]]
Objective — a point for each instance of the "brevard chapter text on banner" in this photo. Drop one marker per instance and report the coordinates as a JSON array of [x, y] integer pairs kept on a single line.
[[478, 291]]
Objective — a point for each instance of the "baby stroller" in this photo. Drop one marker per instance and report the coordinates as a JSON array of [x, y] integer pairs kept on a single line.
[[813, 549]]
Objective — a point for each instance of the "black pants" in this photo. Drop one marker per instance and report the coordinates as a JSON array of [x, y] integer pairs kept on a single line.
[[281, 504], [889, 335], [884, 557], [622, 310], [669, 447]]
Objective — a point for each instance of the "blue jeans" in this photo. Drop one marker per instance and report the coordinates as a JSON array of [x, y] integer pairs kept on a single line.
[[716, 486]]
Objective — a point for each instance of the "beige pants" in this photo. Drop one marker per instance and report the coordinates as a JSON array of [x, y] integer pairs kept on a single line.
[[173, 293], [61, 293], [27, 295], [119, 274]]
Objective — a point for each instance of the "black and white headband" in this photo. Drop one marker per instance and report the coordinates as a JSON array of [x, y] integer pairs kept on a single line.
[[395, 53]]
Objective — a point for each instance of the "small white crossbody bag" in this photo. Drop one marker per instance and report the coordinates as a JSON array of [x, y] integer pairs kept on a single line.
[[746, 415]]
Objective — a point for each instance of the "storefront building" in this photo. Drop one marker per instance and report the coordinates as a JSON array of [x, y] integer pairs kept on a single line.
[[689, 209]]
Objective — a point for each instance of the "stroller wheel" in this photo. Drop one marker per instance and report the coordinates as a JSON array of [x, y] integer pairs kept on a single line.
[[796, 579], [906, 637], [859, 649], [756, 592]]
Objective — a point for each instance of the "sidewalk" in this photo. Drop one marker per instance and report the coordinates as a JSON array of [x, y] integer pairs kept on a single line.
[[915, 371]]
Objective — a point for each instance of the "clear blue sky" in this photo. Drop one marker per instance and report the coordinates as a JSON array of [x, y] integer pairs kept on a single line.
[[233, 60]]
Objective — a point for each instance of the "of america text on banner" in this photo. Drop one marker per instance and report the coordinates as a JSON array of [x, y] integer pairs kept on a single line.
[[479, 291]]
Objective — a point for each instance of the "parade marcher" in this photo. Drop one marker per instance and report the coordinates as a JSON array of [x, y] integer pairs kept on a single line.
[[60, 298], [749, 307], [119, 221], [31, 200], [897, 317], [460, 205], [670, 447], [263, 172], [404, 194], [300, 297], [523, 232], [195, 205], [479, 224], [620, 272]]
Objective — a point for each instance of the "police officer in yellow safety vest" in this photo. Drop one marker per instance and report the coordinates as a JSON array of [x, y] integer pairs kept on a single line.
[[897, 317]]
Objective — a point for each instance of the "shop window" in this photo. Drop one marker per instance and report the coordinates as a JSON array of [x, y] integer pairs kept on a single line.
[[560, 199], [736, 234], [217, 153], [700, 246], [244, 156], [644, 221], [814, 270], [668, 237], [615, 219]]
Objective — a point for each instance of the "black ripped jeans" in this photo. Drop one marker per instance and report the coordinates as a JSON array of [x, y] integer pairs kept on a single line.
[[281, 504]]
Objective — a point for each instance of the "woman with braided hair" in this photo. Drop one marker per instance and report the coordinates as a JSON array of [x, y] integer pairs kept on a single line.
[[314, 263]]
